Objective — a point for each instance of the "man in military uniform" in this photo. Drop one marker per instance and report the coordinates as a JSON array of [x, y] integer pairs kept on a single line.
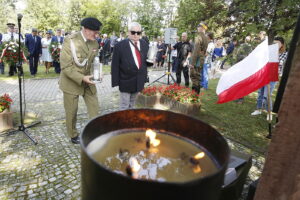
[[198, 56], [78, 53]]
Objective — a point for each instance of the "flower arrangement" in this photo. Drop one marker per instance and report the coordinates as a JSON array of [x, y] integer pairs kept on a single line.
[[5, 102], [9, 52], [54, 49], [179, 93]]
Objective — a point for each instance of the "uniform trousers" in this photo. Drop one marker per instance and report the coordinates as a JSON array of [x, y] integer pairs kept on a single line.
[[71, 108], [196, 78]]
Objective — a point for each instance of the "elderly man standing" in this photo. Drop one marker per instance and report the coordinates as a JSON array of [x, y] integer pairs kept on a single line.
[[198, 56], [78, 53], [129, 68]]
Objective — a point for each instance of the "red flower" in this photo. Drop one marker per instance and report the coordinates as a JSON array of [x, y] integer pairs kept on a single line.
[[5, 102], [177, 92]]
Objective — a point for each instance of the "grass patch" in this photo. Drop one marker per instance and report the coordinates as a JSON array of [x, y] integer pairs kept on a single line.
[[234, 120], [40, 74]]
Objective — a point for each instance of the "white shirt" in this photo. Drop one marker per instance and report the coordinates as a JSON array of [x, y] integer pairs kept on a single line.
[[7, 37], [133, 52]]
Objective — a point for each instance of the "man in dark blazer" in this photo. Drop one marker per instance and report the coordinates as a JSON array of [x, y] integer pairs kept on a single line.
[[34, 46], [129, 67], [59, 39]]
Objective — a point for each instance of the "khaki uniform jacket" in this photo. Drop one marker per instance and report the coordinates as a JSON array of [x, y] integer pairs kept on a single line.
[[199, 51], [71, 75]]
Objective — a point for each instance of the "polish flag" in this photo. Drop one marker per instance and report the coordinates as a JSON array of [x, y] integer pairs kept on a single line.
[[258, 69]]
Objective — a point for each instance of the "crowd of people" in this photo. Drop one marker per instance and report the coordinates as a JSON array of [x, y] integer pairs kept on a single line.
[[214, 54], [38, 44], [197, 59]]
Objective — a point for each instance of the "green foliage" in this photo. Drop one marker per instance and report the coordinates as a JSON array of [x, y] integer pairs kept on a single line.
[[7, 13], [276, 17], [224, 17], [239, 17], [150, 14], [191, 12], [75, 14], [43, 14]]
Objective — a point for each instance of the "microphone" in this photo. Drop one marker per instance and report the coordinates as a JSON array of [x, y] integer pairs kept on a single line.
[[20, 16]]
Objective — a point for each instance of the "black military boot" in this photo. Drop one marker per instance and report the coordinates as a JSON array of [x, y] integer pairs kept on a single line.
[[194, 88], [197, 89]]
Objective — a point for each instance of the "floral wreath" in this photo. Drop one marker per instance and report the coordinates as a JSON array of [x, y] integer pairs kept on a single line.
[[9, 52], [55, 49]]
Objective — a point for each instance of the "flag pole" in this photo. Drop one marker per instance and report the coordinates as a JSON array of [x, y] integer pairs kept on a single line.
[[269, 112]]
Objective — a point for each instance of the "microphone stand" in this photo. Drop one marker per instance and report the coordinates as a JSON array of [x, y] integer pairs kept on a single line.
[[22, 128], [167, 73]]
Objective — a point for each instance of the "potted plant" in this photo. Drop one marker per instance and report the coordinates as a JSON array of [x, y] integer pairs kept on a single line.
[[6, 118]]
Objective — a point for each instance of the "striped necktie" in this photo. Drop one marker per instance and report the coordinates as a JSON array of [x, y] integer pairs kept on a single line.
[[138, 55]]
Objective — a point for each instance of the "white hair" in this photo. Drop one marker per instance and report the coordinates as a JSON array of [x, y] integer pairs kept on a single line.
[[134, 24]]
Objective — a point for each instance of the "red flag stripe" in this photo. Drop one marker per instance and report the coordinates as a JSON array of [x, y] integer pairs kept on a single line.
[[259, 79]]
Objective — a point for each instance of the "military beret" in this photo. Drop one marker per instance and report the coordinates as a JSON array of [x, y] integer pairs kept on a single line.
[[91, 23], [10, 24]]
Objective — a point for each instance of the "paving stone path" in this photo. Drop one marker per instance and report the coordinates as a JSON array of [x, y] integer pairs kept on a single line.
[[51, 169]]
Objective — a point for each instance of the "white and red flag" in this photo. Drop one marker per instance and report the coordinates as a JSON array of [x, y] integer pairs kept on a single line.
[[258, 69]]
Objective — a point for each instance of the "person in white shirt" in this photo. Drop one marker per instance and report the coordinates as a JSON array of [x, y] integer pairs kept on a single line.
[[14, 37]]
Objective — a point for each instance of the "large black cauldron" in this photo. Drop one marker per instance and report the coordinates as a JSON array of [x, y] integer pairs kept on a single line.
[[100, 183]]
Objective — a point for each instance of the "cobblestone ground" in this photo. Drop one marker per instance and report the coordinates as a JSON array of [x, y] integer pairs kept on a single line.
[[51, 169]]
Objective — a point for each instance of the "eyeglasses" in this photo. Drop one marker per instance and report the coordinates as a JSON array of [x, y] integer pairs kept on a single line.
[[135, 32]]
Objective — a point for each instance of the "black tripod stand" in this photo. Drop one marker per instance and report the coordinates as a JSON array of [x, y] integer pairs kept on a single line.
[[167, 73], [21, 78]]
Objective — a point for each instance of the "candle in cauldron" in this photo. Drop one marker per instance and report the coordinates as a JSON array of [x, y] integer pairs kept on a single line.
[[160, 156], [181, 138]]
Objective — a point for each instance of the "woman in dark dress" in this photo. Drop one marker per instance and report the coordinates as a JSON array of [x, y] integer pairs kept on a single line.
[[160, 53]]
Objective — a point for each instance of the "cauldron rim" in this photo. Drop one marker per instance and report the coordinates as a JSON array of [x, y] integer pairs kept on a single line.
[[191, 182]]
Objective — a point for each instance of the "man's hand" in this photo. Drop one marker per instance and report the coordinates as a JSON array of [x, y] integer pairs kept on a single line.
[[87, 79]]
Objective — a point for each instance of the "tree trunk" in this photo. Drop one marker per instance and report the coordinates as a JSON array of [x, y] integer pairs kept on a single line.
[[281, 175]]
